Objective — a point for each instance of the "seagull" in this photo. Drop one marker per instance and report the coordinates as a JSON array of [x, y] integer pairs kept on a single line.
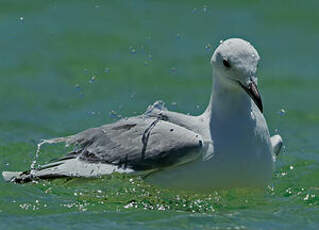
[[228, 145]]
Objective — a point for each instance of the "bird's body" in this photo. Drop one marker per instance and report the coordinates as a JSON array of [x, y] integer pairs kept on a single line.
[[237, 146], [228, 145]]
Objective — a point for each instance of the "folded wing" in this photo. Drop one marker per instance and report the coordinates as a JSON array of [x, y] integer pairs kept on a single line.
[[135, 144]]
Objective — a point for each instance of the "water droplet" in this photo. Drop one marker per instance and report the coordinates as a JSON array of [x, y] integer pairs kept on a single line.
[[282, 112], [21, 19], [114, 115], [221, 41], [78, 88], [107, 70], [132, 50], [92, 80], [129, 205], [204, 8], [132, 94], [306, 197], [173, 69], [158, 105], [208, 47]]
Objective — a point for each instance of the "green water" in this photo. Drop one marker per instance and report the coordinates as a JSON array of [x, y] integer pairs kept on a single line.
[[66, 66]]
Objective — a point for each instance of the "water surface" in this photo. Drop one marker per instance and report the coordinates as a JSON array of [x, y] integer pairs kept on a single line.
[[69, 65]]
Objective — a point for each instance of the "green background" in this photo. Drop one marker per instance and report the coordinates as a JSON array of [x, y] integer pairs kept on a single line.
[[66, 66]]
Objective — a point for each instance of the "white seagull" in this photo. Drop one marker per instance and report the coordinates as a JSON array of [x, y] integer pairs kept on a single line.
[[228, 145]]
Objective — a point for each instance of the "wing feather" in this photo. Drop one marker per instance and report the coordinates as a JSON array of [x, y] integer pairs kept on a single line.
[[139, 143]]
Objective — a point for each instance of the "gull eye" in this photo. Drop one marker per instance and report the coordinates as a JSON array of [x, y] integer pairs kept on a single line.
[[226, 63]]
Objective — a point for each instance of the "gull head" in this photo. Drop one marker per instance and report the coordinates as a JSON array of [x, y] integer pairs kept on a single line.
[[235, 65]]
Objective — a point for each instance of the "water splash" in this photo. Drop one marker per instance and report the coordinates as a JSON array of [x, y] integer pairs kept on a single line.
[[114, 115], [157, 105], [34, 165]]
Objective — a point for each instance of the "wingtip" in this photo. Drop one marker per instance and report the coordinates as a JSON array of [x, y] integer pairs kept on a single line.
[[10, 176], [277, 143]]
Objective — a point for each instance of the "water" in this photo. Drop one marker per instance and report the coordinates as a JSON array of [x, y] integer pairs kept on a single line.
[[69, 65]]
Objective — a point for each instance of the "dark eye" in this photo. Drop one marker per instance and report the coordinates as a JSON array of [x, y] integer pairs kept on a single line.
[[226, 63]]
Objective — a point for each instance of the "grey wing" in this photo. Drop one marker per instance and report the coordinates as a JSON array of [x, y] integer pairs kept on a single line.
[[139, 143], [129, 145]]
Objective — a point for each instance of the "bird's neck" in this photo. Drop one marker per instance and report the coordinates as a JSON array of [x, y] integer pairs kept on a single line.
[[227, 100]]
